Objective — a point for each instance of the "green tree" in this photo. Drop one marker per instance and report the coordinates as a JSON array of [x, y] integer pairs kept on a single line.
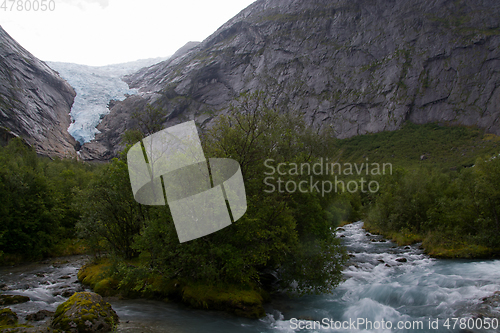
[[287, 233], [109, 211], [487, 195], [31, 219]]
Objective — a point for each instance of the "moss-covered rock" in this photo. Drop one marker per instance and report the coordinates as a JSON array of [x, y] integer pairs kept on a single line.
[[13, 299], [7, 317], [98, 277], [85, 312], [243, 303]]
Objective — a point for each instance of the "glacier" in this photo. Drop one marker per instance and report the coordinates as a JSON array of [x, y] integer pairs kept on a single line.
[[95, 87]]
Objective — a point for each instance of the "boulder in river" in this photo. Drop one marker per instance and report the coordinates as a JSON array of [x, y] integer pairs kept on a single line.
[[7, 317], [13, 299], [85, 312], [40, 315]]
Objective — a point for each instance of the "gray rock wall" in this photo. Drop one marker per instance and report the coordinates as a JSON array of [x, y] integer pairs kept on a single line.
[[359, 66], [34, 101]]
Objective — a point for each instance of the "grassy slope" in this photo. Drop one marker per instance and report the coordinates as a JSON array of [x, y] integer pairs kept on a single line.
[[446, 148]]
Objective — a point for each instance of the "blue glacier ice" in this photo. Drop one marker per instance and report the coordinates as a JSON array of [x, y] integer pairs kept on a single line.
[[95, 87]]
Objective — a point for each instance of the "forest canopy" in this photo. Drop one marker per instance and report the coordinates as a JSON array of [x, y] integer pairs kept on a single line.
[[291, 236]]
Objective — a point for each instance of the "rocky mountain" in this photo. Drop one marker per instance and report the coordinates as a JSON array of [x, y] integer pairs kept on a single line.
[[358, 66], [34, 101]]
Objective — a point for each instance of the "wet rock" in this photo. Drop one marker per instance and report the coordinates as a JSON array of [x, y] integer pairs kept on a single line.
[[492, 301], [7, 317], [407, 248], [40, 274], [13, 299], [4, 287], [65, 277], [382, 241], [40, 315], [85, 312], [68, 293], [342, 236], [381, 261], [65, 291], [340, 229], [387, 265], [401, 260]]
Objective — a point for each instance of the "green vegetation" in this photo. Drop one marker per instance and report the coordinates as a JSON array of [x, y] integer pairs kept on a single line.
[[443, 191], [288, 235], [9, 321], [132, 279], [440, 147], [37, 202], [47, 203]]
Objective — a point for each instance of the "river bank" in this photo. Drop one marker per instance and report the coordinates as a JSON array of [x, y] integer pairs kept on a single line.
[[382, 282], [434, 245], [104, 278], [43, 285], [67, 247]]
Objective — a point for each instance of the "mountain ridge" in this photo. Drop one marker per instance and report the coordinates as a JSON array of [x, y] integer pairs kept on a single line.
[[360, 66]]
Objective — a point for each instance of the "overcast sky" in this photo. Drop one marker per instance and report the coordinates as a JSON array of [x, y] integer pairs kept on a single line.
[[101, 32]]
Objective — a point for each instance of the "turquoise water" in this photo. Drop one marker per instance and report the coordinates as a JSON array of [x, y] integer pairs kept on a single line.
[[385, 286], [421, 294]]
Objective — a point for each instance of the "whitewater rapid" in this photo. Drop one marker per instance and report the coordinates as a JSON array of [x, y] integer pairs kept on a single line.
[[384, 283]]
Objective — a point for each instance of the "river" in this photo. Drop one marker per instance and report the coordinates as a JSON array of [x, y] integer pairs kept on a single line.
[[386, 289]]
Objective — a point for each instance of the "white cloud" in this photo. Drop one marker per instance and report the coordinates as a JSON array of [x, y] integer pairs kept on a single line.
[[99, 32]]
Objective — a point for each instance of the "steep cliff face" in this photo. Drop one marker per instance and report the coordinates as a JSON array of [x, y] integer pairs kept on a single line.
[[358, 66], [34, 101]]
